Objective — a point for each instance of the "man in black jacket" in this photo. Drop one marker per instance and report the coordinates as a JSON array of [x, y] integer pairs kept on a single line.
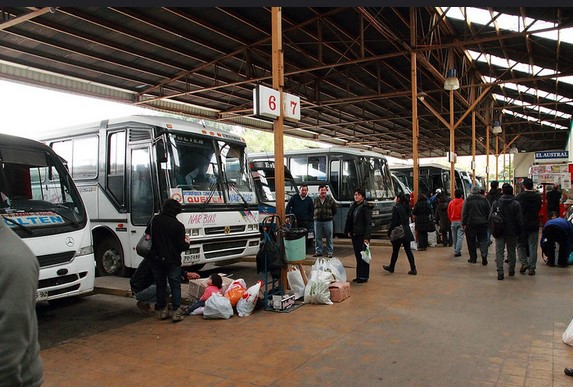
[[169, 240], [358, 226], [527, 243], [510, 211], [475, 213]]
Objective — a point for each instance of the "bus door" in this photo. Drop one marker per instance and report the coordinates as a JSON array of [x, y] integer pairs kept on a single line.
[[141, 198]]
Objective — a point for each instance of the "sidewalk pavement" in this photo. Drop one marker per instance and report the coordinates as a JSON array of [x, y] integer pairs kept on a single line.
[[454, 324]]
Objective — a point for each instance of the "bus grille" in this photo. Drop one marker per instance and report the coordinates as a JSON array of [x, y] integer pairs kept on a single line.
[[55, 292], [218, 249], [221, 230], [55, 281], [55, 259]]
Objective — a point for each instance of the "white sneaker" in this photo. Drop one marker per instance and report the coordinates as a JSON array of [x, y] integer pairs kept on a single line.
[[162, 314]]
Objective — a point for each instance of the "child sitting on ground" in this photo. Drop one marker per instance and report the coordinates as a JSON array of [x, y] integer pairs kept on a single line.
[[214, 285]]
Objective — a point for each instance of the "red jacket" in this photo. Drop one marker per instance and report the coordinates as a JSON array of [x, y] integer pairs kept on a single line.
[[455, 210]]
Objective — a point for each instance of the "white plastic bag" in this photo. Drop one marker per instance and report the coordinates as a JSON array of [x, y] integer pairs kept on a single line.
[[217, 306], [568, 334], [432, 239], [331, 265], [366, 255], [296, 282], [316, 290], [246, 304]]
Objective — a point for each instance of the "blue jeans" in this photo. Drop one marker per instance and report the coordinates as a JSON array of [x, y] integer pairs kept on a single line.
[[163, 273], [457, 236], [500, 245], [527, 249], [323, 229], [149, 294]]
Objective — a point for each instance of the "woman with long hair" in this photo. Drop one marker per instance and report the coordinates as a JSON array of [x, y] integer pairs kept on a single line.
[[401, 216]]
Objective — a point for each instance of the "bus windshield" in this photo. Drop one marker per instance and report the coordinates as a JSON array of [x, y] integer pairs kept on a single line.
[[209, 170], [37, 193], [377, 178]]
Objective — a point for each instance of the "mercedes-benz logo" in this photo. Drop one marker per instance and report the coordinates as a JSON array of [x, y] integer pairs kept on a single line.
[[70, 242]]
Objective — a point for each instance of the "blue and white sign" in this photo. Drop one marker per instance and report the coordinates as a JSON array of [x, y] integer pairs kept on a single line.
[[551, 156]]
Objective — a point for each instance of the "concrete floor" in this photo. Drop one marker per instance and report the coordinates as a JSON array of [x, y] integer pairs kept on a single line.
[[454, 324]]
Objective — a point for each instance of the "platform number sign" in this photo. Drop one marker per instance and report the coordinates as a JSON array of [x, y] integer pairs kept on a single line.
[[266, 104]]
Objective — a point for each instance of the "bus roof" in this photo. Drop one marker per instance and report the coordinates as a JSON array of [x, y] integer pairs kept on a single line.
[[331, 150], [168, 123], [7, 140]]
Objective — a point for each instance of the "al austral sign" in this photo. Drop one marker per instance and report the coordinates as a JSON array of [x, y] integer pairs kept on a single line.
[[551, 156]]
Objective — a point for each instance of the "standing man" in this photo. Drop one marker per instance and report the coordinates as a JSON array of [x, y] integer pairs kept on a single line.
[[475, 213], [492, 195], [455, 215], [169, 240], [553, 197], [510, 211], [530, 202], [20, 362], [302, 207], [324, 211]]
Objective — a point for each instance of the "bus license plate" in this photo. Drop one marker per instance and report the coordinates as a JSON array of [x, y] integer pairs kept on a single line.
[[41, 295], [190, 258]]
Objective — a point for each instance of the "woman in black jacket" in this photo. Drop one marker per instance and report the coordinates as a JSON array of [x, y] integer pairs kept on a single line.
[[401, 216], [423, 220], [168, 241], [358, 226]]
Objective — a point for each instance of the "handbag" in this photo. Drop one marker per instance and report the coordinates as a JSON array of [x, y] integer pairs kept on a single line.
[[397, 233], [143, 247]]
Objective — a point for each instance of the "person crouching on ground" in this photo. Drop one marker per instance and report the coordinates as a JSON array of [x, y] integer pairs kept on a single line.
[[358, 226], [557, 230]]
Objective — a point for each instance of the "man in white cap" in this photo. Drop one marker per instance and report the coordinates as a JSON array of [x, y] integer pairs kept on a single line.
[[568, 213]]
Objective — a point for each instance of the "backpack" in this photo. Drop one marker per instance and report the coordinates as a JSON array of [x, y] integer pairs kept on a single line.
[[495, 223]]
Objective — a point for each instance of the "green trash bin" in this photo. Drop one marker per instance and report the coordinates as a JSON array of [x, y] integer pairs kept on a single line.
[[295, 245]]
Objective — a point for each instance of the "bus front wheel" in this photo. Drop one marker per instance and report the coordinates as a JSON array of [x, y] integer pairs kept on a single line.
[[109, 260]]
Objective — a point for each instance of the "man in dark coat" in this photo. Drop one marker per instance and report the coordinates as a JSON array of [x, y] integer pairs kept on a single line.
[[527, 243], [169, 240], [553, 197], [475, 213], [423, 221], [510, 211]]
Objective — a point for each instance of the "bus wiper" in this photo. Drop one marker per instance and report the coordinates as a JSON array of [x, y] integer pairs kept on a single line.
[[21, 226], [212, 188], [59, 212]]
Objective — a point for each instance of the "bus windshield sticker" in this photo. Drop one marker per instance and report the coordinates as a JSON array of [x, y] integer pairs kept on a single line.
[[32, 219]]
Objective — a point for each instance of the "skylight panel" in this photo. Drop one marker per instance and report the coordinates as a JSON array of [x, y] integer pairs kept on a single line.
[[536, 108], [533, 119]]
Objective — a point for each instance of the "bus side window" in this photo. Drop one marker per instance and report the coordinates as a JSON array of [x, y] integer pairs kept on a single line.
[[116, 167]]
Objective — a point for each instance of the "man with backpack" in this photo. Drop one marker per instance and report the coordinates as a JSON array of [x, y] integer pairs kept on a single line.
[[475, 213], [506, 237]]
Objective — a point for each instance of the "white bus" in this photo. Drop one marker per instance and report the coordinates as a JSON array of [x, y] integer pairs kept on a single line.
[[432, 176], [39, 201], [126, 168], [343, 170]]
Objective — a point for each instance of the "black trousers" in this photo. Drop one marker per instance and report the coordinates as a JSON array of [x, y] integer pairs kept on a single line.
[[556, 235], [362, 268]]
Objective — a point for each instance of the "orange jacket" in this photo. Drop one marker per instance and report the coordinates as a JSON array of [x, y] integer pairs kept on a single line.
[[455, 209]]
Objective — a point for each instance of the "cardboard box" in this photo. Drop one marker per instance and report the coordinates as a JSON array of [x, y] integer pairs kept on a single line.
[[339, 291], [282, 302], [197, 287]]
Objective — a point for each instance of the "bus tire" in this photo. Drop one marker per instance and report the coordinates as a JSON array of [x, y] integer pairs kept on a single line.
[[109, 261]]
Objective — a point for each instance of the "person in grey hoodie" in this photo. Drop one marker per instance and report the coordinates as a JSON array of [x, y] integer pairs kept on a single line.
[[20, 362], [528, 241]]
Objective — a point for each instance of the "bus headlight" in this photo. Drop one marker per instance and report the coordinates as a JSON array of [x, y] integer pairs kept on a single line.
[[85, 251], [194, 232], [376, 211]]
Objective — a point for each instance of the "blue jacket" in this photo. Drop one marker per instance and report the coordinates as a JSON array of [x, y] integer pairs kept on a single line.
[[562, 224]]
